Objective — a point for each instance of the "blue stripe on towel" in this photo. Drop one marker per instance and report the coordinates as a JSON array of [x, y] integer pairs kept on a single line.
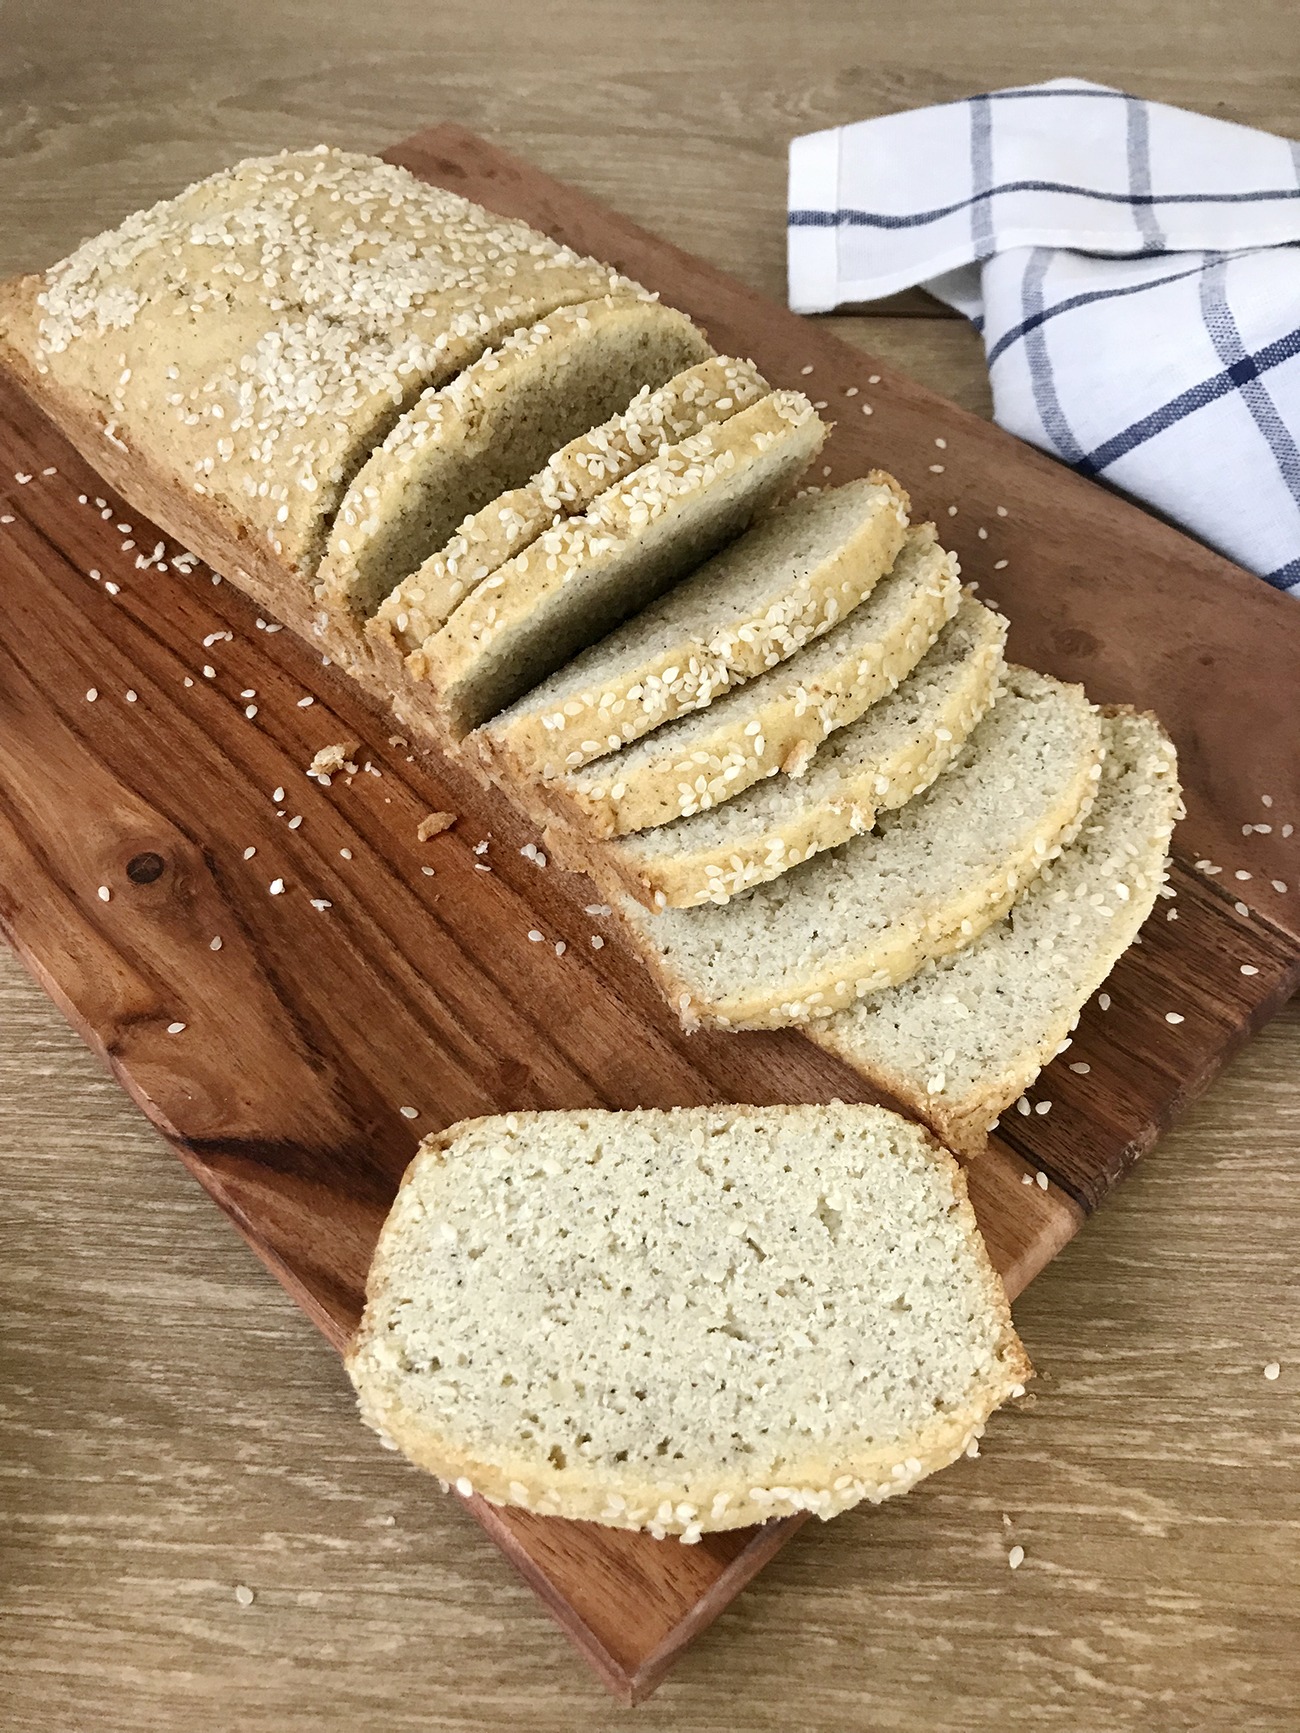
[[849, 218]]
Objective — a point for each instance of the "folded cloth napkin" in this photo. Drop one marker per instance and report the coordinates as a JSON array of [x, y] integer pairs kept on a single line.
[[1132, 268]]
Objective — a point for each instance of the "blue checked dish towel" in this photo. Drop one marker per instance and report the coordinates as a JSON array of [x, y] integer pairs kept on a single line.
[[1133, 269]]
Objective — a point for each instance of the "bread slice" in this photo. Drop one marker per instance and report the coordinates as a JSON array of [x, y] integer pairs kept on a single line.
[[564, 487], [959, 1042], [254, 338], [930, 878], [463, 445], [578, 581], [774, 722], [874, 765], [684, 1321], [785, 582]]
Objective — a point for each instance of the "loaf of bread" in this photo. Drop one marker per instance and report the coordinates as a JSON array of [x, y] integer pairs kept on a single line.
[[893, 752], [783, 583], [253, 340], [929, 879], [684, 1321], [958, 1043]]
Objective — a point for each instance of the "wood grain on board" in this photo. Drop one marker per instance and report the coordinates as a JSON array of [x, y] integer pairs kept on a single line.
[[308, 1029]]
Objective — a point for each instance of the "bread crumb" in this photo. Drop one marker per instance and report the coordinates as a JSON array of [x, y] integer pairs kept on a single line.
[[331, 759], [434, 825]]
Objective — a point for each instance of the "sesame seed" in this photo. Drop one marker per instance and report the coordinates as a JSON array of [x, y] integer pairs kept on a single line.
[[1081, 1067], [1249, 969], [345, 853], [249, 853], [952, 511], [104, 893], [1001, 511], [176, 1028], [534, 936], [130, 696], [1026, 1179], [1173, 1016], [277, 795], [1042, 1180], [92, 695], [873, 379], [1016, 1557], [560, 948], [244, 1595], [409, 1112], [304, 702], [113, 589], [1266, 800], [598, 909], [867, 409], [321, 903], [215, 943], [982, 533], [1103, 999], [1239, 874], [936, 469], [276, 887], [596, 942], [250, 710], [209, 672], [1273, 1371], [1280, 885], [999, 565], [249, 692], [804, 370], [942, 444], [1241, 908], [1022, 1106], [295, 822], [427, 871]]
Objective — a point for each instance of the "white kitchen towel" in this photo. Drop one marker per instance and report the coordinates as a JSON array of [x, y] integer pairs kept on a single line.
[[1133, 270]]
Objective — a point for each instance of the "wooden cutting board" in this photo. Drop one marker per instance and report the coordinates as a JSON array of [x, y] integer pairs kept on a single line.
[[146, 734]]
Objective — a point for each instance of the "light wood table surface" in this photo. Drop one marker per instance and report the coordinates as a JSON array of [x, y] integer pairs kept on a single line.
[[171, 1427]]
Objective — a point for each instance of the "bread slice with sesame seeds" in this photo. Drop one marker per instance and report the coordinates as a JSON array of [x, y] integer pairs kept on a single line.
[[570, 480], [687, 1320], [959, 1042], [463, 444], [253, 339], [786, 581], [581, 579], [870, 767], [772, 723], [929, 879]]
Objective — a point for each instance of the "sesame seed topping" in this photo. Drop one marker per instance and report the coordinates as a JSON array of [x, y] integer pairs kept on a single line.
[[1080, 1066], [176, 1028], [1240, 874], [534, 936], [596, 942], [276, 887], [130, 696], [1103, 999], [1249, 969], [249, 853], [104, 893], [215, 943], [1041, 1179], [92, 694], [1173, 1017], [1273, 1371], [409, 1112], [304, 702]]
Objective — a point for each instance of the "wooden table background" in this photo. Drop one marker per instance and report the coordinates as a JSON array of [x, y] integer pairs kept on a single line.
[[171, 1427]]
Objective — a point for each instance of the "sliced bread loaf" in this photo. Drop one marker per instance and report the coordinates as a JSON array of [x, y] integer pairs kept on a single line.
[[786, 581], [774, 722], [959, 1042], [564, 487], [684, 1321], [463, 445], [581, 579], [874, 765], [929, 879], [251, 340]]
